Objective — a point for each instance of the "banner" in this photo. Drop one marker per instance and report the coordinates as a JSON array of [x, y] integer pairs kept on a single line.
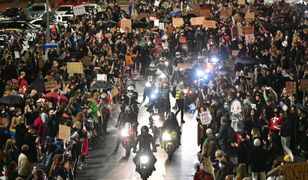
[[247, 30], [250, 15], [209, 24], [290, 87], [295, 171], [126, 24], [74, 67], [79, 10], [195, 21], [177, 22], [304, 85], [49, 85], [64, 132]]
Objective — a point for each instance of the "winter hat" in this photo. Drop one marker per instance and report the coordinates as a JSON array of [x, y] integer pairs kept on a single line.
[[256, 142]]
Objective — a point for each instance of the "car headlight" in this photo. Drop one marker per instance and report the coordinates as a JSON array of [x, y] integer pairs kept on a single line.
[[147, 84], [124, 133], [144, 159], [153, 96], [214, 59], [166, 136]]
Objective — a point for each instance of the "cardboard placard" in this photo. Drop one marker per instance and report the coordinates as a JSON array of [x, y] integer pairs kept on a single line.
[[250, 15], [247, 30], [195, 21], [205, 12], [226, 11], [295, 171], [16, 54], [290, 87], [156, 3], [64, 132], [49, 85], [177, 22], [184, 66], [304, 85], [126, 24], [241, 2], [209, 24], [74, 67], [114, 92], [79, 10]]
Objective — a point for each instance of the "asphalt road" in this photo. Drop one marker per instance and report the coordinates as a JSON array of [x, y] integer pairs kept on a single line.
[[104, 165]]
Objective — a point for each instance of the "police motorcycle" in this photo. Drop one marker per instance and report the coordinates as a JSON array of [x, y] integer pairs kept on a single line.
[[169, 142], [130, 98]]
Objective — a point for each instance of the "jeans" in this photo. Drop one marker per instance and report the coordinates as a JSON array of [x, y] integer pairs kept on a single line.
[[258, 175], [285, 142]]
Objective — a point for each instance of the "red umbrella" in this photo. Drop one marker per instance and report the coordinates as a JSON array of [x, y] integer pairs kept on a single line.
[[53, 96]]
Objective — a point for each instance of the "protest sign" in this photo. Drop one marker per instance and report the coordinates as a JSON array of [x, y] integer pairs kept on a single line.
[[162, 26], [209, 24], [250, 38], [304, 85], [156, 22], [206, 13], [250, 15], [126, 24], [114, 92], [74, 67], [79, 10], [16, 54], [241, 2], [226, 11], [101, 77], [64, 132], [196, 21], [290, 87], [177, 22], [247, 30], [295, 171], [184, 66], [156, 3], [49, 85]]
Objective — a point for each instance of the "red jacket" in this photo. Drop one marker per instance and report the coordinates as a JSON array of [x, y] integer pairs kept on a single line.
[[22, 83]]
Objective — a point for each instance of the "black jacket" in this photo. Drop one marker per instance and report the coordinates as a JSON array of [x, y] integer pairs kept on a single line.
[[258, 158]]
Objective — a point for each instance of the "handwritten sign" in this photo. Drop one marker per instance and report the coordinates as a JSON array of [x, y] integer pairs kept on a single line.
[[250, 15], [304, 85], [49, 85], [126, 24], [79, 10], [247, 30], [101, 77], [206, 13], [290, 87], [177, 22], [209, 24], [295, 171], [241, 2], [74, 68], [64, 132], [196, 21]]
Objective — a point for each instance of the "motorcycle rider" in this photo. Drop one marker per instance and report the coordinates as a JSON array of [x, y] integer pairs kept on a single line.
[[145, 140], [130, 98], [171, 124], [130, 117]]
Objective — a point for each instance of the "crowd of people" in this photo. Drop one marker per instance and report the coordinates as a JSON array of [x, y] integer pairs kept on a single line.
[[272, 122]]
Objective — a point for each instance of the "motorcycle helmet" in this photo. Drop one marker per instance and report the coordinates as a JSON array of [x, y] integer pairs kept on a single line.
[[130, 89], [170, 115], [144, 130]]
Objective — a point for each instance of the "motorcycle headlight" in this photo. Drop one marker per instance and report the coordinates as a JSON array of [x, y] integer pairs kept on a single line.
[[124, 133], [166, 136], [153, 96], [166, 63], [185, 91], [144, 159], [214, 59], [200, 73], [155, 117], [147, 84]]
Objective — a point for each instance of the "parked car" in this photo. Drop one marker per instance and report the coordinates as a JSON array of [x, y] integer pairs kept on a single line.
[[39, 9], [12, 25], [92, 8], [63, 9]]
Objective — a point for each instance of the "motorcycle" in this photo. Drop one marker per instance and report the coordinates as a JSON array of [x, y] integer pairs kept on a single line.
[[128, 134], [169, 142], [145, 168]]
